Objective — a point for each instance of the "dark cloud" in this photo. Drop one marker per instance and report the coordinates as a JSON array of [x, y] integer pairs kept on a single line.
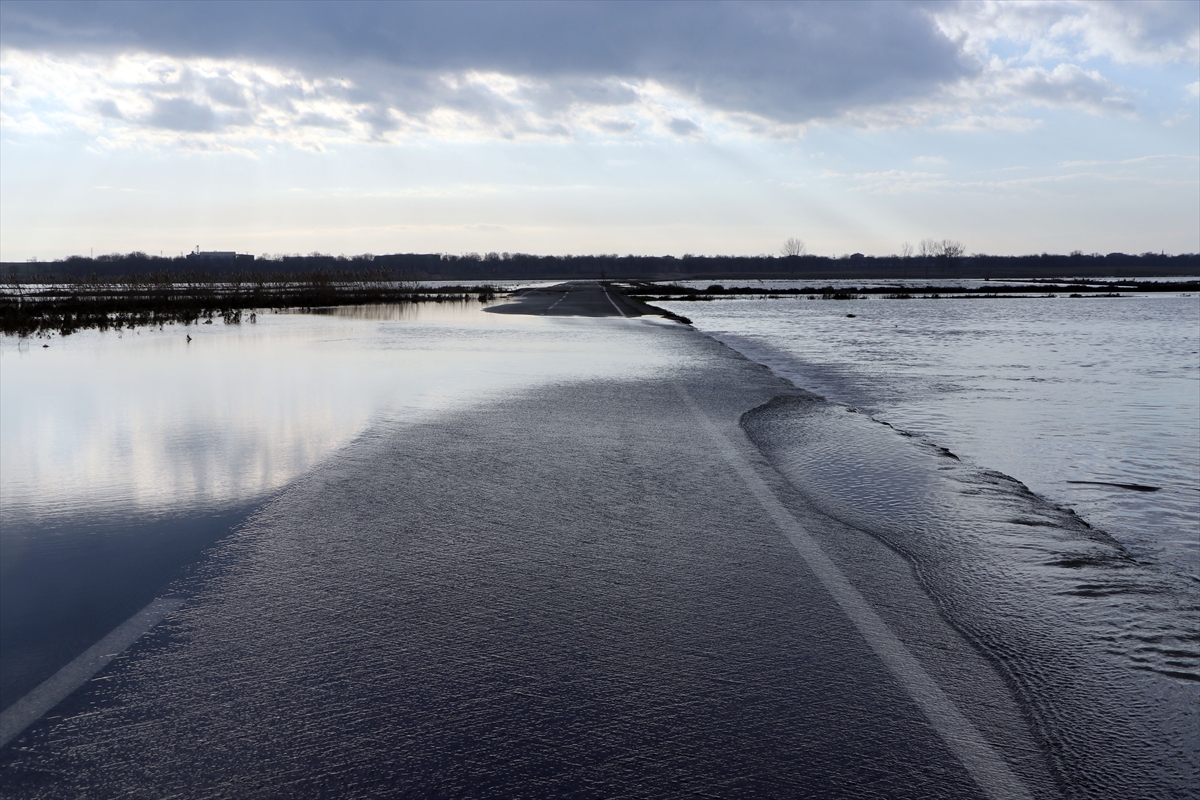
[[320, 121], [180, 114], [616, 126], [683, 127], [226, 92], [109, 110], [788, 62]]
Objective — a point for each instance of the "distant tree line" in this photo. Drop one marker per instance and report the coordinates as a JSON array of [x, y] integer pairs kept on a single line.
[[930, 259]]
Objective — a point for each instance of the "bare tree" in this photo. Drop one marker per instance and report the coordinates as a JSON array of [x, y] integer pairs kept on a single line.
[[946, 248], [951, 249], [793, 247], [906, 250]]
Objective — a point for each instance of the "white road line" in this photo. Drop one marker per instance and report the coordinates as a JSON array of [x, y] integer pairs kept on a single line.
[[556, 302], [614, 303], [30, 708], [981, 760]]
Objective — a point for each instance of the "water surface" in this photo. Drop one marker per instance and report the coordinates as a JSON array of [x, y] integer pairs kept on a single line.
[[1068, 395], [123, 455]]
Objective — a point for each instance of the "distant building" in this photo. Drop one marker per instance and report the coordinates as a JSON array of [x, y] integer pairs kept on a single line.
[[220, 259], [212, 255]]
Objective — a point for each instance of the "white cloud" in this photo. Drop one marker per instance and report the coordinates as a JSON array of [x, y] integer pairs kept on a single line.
[[992, 122], [144, 99], [786, 62], [1144, 32], [1067, 85], [1001, 97], [478, 90]]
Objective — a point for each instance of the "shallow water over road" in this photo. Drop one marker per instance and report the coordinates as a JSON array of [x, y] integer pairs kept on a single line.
[[518, 548], [124, 455], [563, 591]]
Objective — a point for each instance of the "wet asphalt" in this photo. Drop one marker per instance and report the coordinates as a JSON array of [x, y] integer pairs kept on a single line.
[[573, 299], [569, 592]]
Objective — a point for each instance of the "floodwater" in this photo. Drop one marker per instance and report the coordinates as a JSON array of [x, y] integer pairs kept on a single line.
[[607, 574], [148, 421], [555, 586], [124, 455], [1068, 395], [993, 444]]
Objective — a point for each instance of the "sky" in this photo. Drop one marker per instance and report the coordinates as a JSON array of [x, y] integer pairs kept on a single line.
[[573, 128]]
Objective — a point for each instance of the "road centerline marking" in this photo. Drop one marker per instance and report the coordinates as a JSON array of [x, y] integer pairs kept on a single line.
[[52, 691]]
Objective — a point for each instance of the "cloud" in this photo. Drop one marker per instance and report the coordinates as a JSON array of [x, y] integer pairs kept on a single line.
[[1065, 85], [317, 73], [1144, 32], [897, 181], [181, 114], [683, 127], [107, 108], [1001, 97], [784, 62]]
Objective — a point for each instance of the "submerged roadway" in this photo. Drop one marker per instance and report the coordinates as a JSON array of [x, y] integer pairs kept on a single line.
[[574, 299], [595, 589]]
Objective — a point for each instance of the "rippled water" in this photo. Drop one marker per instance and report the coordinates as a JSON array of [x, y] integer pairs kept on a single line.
[[1093, 626], [944, 415], [124, 455], [1048, 390]]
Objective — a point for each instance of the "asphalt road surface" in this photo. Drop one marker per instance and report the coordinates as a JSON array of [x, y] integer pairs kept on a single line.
[[574, 299], [593, 590]]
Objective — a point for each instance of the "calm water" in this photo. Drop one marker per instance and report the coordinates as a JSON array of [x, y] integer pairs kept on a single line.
[[1046, 390], [145, 420], [123, 456]]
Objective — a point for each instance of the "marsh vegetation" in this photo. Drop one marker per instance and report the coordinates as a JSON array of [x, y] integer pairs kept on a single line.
[[156, 299]]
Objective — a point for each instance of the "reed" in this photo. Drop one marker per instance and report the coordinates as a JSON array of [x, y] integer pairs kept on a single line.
[[156, 299]]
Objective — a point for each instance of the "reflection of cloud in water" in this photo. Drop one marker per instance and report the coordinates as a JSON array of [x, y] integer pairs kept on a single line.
[[148, 422], [461, 310]]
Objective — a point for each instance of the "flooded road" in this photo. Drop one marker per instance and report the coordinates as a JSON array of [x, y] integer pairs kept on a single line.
[[566, 590], [549, 555], [123, 456]]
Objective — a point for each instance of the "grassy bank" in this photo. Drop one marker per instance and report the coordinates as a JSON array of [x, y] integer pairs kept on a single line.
[[160, 299]]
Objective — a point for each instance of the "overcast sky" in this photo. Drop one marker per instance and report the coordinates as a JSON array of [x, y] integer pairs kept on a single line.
[[598, 127]]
